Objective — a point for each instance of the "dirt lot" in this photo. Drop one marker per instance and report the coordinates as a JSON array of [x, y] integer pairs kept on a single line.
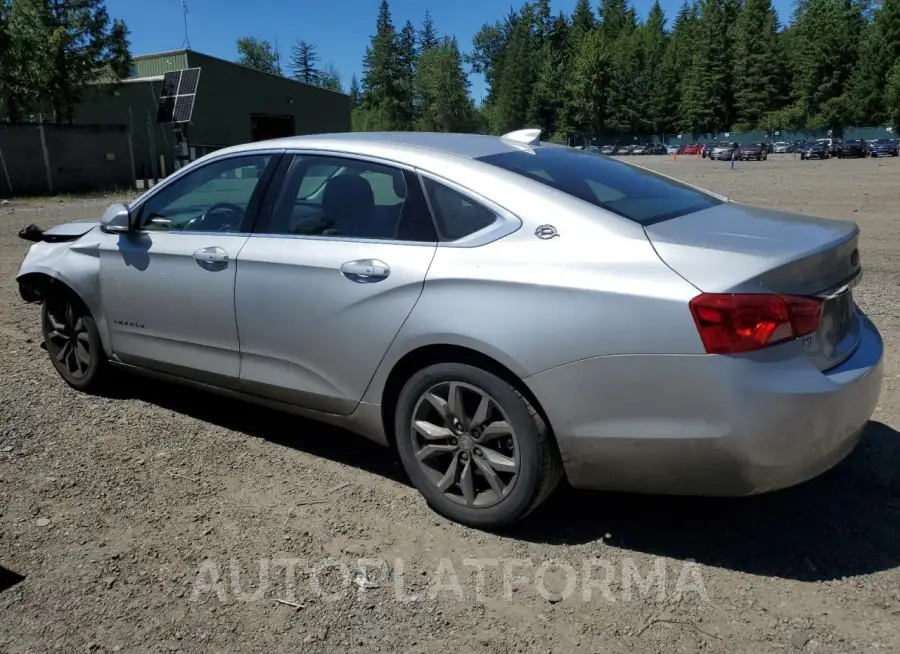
[[118, 514]]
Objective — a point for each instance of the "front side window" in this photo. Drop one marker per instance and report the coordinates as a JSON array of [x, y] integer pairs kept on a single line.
[[633, 193], [213, 198], [349, 198]]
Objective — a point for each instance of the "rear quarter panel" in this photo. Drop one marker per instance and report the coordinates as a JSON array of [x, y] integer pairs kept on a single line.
[[597, 289]]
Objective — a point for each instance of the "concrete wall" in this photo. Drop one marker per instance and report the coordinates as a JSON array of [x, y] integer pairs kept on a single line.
[[47, 159]]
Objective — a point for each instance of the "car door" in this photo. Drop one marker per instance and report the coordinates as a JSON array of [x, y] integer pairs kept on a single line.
[[168, 287], [328, 278]]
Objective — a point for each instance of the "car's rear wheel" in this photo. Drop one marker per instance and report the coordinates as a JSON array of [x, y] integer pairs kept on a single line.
[[477, 450], [73, 342]]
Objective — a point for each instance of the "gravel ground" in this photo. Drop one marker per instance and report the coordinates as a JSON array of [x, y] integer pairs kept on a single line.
[[163, 519]]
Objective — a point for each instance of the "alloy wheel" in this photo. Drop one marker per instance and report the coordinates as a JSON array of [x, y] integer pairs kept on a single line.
[[68, 339], [465, 444]]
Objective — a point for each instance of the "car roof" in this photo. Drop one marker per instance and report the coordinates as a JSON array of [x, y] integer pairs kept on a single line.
[[471, 146]]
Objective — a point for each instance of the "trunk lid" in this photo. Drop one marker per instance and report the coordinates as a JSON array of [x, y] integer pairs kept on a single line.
[[732, 248]]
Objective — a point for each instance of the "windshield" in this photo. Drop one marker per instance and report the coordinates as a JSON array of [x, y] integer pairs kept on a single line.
[[884, 142], [633, 193]]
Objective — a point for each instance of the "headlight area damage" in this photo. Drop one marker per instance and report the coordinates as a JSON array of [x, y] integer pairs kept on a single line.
[[48, 260], [59, 234]]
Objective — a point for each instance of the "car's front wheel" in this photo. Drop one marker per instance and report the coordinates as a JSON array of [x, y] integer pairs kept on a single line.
[[477, 449], [72, 341]]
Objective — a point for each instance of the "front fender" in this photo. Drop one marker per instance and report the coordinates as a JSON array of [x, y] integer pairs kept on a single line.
[[73, 264]]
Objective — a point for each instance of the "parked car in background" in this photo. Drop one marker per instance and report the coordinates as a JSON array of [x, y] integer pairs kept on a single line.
[[692, 149], [782, 147], [700, 346], [883, 148], [608, 149], [624, 149], [755, 151], [724, 151], [815, 150], [639, 149], [769, 147], [852, 148], [672, 149]]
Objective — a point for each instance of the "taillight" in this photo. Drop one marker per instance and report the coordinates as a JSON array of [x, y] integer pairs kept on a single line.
[[730, 323]]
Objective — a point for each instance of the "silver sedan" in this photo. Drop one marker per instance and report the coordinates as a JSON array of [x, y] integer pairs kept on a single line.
[[501, 312]]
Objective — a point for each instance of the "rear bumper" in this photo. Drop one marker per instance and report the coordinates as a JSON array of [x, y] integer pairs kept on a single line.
[[709, 425]]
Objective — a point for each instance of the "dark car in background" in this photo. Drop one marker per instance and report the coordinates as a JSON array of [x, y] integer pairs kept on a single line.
[[757, 151], [852, 148], [883, 148], [815, 150]]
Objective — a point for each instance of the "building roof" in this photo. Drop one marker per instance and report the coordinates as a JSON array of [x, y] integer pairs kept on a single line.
[[158, 63]]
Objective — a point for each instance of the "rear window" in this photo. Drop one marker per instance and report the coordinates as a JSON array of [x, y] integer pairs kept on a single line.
[[633, 193]]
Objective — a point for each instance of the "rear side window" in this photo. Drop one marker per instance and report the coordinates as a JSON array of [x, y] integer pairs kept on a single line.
[[456, 215], [633, 193]]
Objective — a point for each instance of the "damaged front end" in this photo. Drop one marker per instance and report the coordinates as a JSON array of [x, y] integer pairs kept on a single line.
[[59, 234], [41, 268]]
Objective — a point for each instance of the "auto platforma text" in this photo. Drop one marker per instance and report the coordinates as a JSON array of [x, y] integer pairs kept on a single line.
[[291, 580]]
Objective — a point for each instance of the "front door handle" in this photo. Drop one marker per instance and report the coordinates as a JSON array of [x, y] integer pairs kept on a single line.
[[211, 255], [365, 271]]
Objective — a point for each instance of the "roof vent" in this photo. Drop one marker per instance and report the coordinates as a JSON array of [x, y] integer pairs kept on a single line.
[[524, 136]]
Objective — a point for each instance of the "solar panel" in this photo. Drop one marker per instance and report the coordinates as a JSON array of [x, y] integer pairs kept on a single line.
[[165, 109], [176, 101], [189, 79], [184, 107], [170, 83]]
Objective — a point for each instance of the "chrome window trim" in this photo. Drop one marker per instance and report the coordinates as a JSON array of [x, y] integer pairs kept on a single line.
[[141, 200], [505, 222]]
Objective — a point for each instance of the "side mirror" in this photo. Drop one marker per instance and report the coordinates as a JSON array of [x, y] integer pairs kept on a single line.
[[117, 219]]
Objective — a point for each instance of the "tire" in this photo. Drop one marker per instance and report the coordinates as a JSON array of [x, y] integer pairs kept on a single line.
[[529, 449], [65, 322]]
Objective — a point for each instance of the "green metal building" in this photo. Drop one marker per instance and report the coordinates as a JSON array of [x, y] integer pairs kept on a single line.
[[234, 104]]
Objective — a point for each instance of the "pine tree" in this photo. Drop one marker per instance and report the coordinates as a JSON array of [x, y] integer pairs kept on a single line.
[[304, 62], [892, 95], [428, 36], [443, 87], [407, 56], [587, 85], [660, 78], [354, 92], [383, 74], [583, 21], [758, 69]]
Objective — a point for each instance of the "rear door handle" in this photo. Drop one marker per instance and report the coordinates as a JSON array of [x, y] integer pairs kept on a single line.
[[211, 255], [365, 271]]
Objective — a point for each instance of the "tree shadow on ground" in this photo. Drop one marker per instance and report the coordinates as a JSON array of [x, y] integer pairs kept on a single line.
[[841, 524]]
